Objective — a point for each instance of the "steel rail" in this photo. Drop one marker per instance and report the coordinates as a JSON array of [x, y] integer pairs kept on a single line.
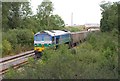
[[16, 56], [5, 63]]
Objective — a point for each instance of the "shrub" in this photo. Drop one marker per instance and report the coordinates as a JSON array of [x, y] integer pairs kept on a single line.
[[11, 37], [92, 40], [19, 40], [6, 47], [11, 74], [25, 37]]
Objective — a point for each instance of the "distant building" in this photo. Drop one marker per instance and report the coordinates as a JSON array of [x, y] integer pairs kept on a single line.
[[92, 25]]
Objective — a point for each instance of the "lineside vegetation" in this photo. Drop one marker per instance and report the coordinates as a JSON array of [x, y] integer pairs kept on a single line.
[[96, 59]]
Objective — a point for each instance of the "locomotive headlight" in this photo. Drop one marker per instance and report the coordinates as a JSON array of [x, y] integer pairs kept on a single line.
[[35, 44], [37, 49]]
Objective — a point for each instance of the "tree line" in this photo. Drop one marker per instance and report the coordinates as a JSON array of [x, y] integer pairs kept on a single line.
[[19, 15]]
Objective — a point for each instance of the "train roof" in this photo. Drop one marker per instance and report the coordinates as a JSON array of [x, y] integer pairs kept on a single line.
[[57, 32]]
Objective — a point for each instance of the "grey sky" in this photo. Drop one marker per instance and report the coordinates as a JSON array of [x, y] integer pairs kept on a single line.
[[84, 11]]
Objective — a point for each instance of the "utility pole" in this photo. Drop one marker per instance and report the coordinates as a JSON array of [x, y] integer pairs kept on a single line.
[[72, 19]]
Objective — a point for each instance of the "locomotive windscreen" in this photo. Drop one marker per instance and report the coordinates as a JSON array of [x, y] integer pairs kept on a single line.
[[38, 37], [42, 37]]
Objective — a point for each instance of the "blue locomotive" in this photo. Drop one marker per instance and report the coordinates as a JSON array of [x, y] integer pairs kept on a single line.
[[50, 38]]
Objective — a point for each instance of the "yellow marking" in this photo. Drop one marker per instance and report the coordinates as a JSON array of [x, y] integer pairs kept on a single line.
[[39, 48]]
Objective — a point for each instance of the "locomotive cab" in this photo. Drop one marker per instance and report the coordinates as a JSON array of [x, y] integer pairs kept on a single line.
[[50, 38], [41, 41]]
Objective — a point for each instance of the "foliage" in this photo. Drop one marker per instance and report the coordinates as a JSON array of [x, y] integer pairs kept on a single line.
[[19, 24], [19, 40], [109, 19], [56, 22], [86, 61], [11, 37], [13, 14], [44, 11], [12, 72], [46, 18], [5, 10], [25, 37], [6, 47], [94, 59]]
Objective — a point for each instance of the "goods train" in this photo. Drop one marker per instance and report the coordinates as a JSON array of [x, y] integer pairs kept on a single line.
[[54, 38]]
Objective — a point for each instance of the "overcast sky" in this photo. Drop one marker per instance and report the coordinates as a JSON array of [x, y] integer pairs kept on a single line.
[[84, 11]]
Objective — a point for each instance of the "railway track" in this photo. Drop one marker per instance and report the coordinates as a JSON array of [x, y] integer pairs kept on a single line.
[[14, 61]]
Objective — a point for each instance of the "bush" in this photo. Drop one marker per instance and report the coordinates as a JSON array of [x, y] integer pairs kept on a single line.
[[6, 47], [11, 36], [25, 37], [11, 74], [18, 40], [19, 36]]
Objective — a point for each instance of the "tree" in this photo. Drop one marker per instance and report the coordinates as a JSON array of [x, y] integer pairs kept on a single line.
[[0, 14], [5, 12], [44, 11], [25, 14], [14, 14], [56, 22], [25, 9], [46, 18], [109, 19]]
